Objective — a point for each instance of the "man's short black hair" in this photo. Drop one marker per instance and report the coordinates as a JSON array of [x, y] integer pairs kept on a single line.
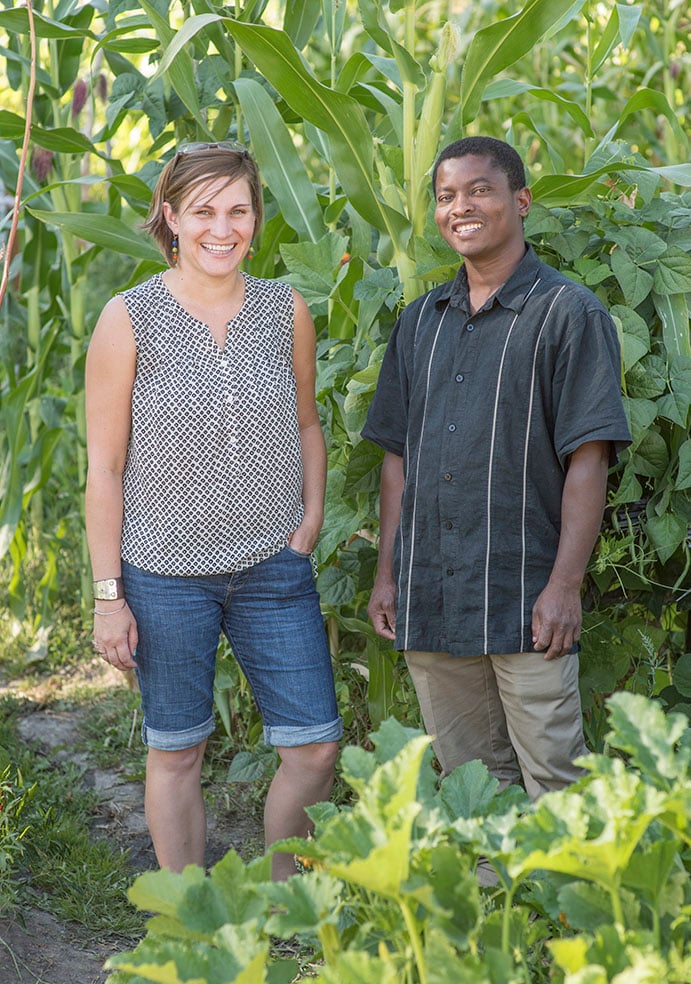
[[502, 155]]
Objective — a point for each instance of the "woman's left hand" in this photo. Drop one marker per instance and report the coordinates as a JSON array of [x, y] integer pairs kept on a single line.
[[304, 537]]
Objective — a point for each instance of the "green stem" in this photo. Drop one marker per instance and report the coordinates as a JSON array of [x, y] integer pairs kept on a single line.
[[588, 75], [415, 940], [328, 937], [409, 117], [333, 636], [506, 923], [617, 910]]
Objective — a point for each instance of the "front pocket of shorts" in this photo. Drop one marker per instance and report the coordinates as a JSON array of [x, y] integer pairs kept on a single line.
[[298, 553]]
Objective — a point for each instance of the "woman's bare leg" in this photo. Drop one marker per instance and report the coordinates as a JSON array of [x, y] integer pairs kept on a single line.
[[175, 806], [304, 777]]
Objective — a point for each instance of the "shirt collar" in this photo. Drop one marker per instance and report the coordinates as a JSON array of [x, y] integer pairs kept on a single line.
[[512, 294]]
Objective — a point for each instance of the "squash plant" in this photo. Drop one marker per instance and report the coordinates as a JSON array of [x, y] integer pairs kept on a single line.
[[593, 880]]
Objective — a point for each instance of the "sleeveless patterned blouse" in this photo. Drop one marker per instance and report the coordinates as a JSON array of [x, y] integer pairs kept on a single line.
[[213, 476]]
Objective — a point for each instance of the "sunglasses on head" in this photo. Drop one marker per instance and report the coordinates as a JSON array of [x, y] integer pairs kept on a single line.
[[196, 148]]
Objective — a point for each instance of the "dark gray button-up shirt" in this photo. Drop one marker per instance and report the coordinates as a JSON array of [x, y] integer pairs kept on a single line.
[[485, 410]]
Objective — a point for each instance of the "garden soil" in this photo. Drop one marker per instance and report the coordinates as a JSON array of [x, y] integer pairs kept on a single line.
[[35, 947]]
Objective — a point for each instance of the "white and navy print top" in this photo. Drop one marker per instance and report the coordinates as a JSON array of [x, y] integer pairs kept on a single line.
[[485, 410], [213, 478]]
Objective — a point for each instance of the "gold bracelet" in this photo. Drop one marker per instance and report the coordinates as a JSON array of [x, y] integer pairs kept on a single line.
[[114, 611]]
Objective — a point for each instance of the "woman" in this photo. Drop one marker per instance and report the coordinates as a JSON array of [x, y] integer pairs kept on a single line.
[[205, 498]]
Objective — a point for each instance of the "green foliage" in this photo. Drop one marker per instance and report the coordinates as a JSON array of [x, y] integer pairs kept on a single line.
[[14, 797], [592, 878], [345, 129], [46, 826]]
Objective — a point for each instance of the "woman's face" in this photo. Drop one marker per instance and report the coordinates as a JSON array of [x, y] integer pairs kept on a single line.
[[214, 224]]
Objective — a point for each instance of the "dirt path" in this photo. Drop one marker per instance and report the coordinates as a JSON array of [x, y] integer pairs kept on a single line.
[[35, 948]]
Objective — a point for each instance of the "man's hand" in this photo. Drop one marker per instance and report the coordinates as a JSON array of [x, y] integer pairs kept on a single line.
[[556, 620], [382, 607]]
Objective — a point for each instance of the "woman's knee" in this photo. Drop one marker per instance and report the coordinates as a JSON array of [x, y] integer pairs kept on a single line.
[[317, 758], [181, 762]]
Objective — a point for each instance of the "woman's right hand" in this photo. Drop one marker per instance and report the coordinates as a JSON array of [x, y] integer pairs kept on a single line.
[[115, 636]]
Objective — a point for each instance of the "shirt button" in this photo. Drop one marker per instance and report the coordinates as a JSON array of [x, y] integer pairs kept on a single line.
[[452, 427], [224, 361], [229, 398], [447, 477], [449, 525], [460, 377], [449, 571], [470, 327]]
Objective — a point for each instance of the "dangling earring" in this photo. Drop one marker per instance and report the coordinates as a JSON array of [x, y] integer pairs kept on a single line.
[[174, 250], [250, 251]]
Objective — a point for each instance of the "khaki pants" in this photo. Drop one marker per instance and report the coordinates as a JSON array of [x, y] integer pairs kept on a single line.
[[520, 714]]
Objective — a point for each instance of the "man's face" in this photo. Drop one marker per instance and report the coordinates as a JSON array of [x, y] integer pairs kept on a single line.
[[476, 212]]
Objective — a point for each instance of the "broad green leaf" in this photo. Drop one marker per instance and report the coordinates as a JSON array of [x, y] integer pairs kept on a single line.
[[683, 480], [375, 24], [642, 245], [585, 906], [630, 490], [651, 99], [565, 189], [17, 22], [468, 790], [649, 868], [504, 88], [311, 265], [681, 675], [673, 273], [561, 835], [162, 891], [651, 456], [300, 19], [496, 47], [387, 865], [666, 533], [362, 473], [104, 230], [675, 407], [445, 965], [279, 163], [341, 520], [63, 140], [636, 334], [180, 69], [635, 282], [647, 378], [338, 115], [334, 13], [12, 126], [336, 587], [306, 904], [640, 728], [359, 967], [640, 415]]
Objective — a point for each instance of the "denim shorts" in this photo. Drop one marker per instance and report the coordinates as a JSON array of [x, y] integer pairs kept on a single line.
[[271, 617]]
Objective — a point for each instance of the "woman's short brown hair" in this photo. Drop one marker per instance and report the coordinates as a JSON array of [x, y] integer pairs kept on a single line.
[[199, 164]]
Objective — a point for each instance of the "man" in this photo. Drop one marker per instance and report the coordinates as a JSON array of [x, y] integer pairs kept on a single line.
[[499, 409]]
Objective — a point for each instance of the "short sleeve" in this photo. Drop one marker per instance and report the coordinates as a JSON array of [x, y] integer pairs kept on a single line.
[[586, 385], [387, 418]]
